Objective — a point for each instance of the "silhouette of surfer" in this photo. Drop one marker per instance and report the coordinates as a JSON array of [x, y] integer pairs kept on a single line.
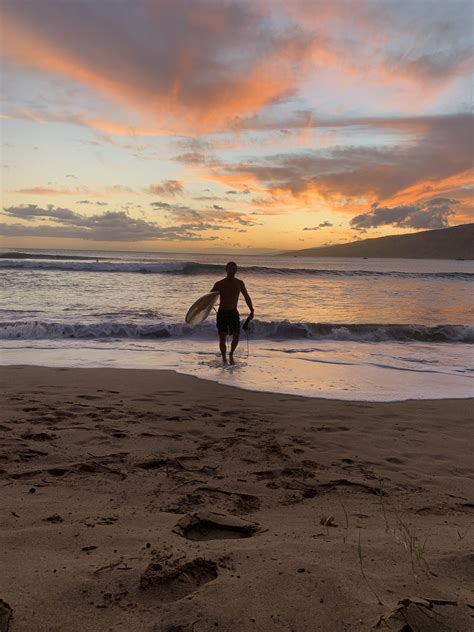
[[228, 318]]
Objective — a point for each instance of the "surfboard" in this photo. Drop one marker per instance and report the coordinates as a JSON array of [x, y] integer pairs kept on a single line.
[[200, 310]]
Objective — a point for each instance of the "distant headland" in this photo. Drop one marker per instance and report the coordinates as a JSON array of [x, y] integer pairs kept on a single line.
[[456, 242]]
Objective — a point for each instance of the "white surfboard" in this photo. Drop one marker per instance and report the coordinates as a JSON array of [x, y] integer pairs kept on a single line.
[[200, 310]]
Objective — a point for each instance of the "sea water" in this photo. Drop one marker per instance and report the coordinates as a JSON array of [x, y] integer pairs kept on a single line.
[[357, 329]]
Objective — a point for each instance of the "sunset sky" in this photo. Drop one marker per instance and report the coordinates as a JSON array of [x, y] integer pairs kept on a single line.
[[189, 125]]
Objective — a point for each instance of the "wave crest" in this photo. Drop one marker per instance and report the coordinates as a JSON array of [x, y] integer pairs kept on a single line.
[[277, 330], [195, 268]]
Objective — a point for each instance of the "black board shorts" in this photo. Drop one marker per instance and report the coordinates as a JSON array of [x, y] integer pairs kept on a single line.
[[228, 321]]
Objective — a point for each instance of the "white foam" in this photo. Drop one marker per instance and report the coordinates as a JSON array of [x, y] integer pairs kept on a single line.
[[333, 370], [277, 330]]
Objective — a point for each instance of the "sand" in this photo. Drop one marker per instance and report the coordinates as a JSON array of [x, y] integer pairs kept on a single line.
[[151, 501]]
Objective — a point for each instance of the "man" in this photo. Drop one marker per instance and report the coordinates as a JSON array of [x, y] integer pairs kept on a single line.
[[228, 318]]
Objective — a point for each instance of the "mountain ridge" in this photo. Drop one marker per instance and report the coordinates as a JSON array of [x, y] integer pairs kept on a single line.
[[455, 242]]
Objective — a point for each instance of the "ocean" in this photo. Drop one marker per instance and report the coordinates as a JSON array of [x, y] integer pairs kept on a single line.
[[353, 329]]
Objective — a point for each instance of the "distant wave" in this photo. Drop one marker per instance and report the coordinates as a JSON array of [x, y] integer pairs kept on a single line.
[[193, 268], [29, 255], [97, 266], [277, 330]]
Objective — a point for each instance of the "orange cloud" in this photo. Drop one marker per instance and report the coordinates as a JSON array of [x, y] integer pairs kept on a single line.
[[430, 188], [440, 158], [190, 88], [198, 67]]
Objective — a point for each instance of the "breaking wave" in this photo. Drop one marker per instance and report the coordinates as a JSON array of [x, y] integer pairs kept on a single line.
[[194, 268], [276, 330]]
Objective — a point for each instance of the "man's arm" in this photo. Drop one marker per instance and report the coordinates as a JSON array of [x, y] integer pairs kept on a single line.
[[215, 287], [247, 298]]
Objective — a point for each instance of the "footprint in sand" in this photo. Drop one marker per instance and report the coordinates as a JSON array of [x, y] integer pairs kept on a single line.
[[172, 584], [27, 454], [213, 526], [286, 471], [38, 436], [223, 500]]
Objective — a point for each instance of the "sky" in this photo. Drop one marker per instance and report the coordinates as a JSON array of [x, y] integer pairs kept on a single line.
[[219, 125]]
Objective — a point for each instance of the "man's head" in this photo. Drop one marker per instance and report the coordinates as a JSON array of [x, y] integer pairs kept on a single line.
[[231, 268]]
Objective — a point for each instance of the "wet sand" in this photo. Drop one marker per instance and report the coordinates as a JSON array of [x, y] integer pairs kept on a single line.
[[151, 501]]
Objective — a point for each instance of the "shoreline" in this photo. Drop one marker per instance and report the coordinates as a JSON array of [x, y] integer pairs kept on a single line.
[[245, 389], [99, 467], [332, 377]]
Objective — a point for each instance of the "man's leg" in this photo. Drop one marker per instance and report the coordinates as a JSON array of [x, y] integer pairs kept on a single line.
[[233, 347], [223, 346]]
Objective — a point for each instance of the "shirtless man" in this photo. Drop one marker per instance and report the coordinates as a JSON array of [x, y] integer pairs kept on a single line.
[[228, 319]]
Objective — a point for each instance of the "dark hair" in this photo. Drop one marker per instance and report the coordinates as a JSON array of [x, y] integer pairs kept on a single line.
[[230, 263]]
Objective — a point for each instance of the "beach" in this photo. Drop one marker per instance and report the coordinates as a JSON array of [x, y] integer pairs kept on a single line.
[[236, 316], [148, 500]]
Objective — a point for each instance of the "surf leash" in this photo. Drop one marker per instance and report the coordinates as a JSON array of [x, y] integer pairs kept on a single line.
[[246, 328]]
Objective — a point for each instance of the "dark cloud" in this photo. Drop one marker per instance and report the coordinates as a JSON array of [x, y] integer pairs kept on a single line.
[[196, 158], [216, 214], [167, 188], [322, 225], [178, 211], [96, 203], [433, 213], [307, 119], [32, 211], [110, 226], [191, 144], [248, 222], [436, 66]]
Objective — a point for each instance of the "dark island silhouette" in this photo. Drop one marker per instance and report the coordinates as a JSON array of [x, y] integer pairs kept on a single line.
[[456, 242]]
